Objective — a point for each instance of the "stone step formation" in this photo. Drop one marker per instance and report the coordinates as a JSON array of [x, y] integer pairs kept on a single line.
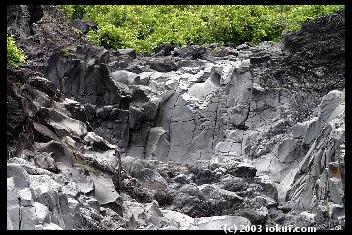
[[210, 137]]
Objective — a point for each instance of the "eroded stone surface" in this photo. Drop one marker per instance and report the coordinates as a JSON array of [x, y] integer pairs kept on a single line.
[[208, 136]]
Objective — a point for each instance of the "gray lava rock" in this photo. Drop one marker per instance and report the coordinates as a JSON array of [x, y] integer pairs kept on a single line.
[[190, 52], [45, 161], [221, 222], [83, 25], [163, 65], [145, 173], [182, 179], [243, 170], [258, 217], [191, 201], [189, 123]]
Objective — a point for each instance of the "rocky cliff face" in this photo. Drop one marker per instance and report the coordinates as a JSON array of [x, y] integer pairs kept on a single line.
[[209, 136]]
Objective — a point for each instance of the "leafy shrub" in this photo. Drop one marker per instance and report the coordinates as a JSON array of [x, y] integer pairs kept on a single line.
[[74, 11], [147, 27], [15, 55]]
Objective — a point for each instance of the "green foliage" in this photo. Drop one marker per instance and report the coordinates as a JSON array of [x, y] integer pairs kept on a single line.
[[66, 52], [74, 11], [146, 27], [15, 55], [19, 83]]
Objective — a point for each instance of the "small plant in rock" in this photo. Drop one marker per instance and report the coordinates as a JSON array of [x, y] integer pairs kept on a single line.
[[66, 52], [15, 56], [19, 83], [77, 31]]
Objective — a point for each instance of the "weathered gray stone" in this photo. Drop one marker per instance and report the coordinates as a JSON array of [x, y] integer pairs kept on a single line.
[[77, 175], [221, 201], [44, 132], [97, 142], [229, 147], [104, 189], [150, 109], [9, 223], [66, 125], [45, 161], [19, 175], [313, 130], [83, 26], [127, 51], [145, 173], [58, 152], [42, 212], [299, 130], [42, 184], [178, 220], [51, 226], [264, 201], [13, 206], [169, 228], [125, 77], [221, 222], [305, 219], [288, 151], [182, 179], [202, 90], [191, 201], [28, 218], [163, 65], [190, 52], [236, 134], [336, 211], [25, 195], [233, 183], [157, 144], [329, 103], [255, 216], [243, 170], [70, 189], [153, 214]]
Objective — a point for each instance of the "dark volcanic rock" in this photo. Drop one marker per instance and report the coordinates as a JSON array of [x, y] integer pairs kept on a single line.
[[163, 65], [253, 216], [112, 139], [312, 62], [45, 161], [164, 50], [46, 86], [190, 52], [164, 197], [191, 201], [84, 81], [128, 51], [243, 171], [83, 25], [20, 134]]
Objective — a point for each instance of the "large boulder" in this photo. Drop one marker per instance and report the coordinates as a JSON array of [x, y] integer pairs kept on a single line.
[[83, 26], [191, 201], [145, 173]]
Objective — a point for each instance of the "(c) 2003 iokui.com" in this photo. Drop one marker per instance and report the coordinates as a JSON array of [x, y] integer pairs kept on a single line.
[[267, 228]]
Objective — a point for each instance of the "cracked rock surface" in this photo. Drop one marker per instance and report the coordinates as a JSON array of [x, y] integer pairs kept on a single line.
[[209, 137]]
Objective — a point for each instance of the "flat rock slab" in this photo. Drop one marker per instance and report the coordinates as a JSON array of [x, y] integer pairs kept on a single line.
[[104, 189], [202, 90], [221, 222]]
